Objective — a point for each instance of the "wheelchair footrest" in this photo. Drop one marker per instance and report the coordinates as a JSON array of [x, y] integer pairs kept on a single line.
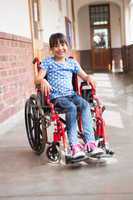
[[71, 160], [104, 155], [110, 152]]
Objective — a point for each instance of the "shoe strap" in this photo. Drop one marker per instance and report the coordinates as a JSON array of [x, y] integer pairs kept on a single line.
[[76, 147], [89, 146]]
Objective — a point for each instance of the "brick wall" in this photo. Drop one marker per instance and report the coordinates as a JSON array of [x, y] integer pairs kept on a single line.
[[16, 74]]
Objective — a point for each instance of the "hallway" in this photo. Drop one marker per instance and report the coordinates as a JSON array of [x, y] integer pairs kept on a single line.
[[25, 176]]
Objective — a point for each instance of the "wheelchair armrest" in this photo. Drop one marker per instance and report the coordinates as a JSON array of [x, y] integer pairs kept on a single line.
[[84, 83]]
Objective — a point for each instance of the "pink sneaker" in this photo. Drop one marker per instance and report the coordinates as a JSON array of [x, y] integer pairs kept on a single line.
[[92, 150], [77, 151]]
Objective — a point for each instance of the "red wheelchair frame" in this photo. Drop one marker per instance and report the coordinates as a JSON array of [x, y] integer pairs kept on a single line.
[[40, 113]]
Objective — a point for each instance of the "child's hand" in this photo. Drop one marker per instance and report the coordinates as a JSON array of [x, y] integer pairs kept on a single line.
[[46, 87], [91, 82]]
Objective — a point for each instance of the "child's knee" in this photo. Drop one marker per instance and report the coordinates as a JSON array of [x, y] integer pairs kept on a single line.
[[85, 104], [73, 109]]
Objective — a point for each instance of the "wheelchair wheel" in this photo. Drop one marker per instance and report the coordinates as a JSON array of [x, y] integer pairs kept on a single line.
[[35, 125], [53, 153]]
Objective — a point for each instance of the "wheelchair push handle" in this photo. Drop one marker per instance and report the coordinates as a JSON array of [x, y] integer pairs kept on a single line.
[[36, 61], [84, 83]]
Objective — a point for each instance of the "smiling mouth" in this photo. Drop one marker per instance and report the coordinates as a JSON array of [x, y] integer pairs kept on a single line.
[[61, 53]]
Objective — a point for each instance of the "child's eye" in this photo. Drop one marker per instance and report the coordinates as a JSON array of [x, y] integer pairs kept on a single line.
[[58, 45], [63, 44]]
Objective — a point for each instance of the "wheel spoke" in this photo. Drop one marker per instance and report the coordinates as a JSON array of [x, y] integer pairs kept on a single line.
[[33, 120]]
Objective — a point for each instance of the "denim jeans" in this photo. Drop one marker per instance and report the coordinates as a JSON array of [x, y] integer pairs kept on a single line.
[[70, 105]]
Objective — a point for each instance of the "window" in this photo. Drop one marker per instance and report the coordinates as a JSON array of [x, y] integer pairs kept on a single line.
[[100, 38], [99, 15]]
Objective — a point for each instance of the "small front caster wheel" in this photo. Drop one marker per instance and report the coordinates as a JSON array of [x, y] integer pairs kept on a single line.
[[53, 153]]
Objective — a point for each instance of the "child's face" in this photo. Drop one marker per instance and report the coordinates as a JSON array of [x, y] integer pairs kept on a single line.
[[60, 51]]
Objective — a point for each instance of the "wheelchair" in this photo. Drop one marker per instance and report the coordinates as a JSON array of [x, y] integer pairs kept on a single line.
[[40, 115]]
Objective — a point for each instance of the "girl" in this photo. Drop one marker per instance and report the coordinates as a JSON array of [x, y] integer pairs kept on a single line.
[[59, 70]]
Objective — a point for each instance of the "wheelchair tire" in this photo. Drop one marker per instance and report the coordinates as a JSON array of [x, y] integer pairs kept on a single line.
[[36, 132]]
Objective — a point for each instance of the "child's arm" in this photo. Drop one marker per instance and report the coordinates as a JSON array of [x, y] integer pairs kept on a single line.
[[84, 76], [45, 86]]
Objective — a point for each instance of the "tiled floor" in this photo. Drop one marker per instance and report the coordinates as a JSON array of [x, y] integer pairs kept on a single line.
[[26, 176]]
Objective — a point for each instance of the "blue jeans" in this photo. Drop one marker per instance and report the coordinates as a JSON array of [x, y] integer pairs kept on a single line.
[[70, 105]]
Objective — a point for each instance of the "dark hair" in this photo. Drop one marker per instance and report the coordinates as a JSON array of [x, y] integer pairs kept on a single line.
[[57, 38]]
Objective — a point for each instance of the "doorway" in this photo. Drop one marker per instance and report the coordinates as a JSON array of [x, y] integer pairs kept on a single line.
[[100, 37]]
